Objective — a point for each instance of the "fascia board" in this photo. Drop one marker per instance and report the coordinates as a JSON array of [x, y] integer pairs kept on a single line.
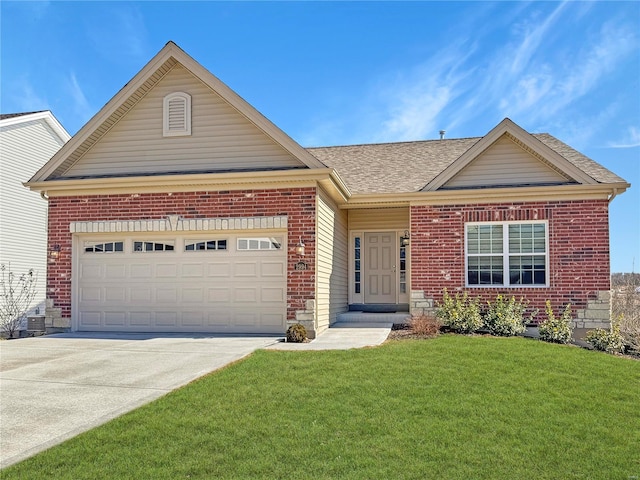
[[193, 182], [508, 126], [46, 115], [489, 195]]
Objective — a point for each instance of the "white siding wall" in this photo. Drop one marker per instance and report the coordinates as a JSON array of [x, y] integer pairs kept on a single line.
[[505, 163], [24, 148], [221, 137], [332, 272]]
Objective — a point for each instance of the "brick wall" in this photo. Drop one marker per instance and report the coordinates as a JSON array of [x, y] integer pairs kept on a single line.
[[578, 249], [298, 204]]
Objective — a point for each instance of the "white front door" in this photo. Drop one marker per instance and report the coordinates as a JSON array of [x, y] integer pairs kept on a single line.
[[380, 267]]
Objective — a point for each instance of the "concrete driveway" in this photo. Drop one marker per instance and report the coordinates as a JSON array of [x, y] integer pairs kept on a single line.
[[55, 387]]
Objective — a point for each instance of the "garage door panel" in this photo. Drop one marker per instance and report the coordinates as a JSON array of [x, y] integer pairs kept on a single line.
[[115, 319], [90, 271], [140, 295], [167, 319], [272, 269], [166, 270], [272, 294], [90, 318], [191, 270], [219, 295], [192, 319], [180, 291], [245, 269], [192, 295], [90, 294], [115, 295], [219, 269], [116, 271], [140, 319], [140, 271], [166, 295]]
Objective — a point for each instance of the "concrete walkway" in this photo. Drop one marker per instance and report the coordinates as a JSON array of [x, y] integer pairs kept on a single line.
[[342, 336]]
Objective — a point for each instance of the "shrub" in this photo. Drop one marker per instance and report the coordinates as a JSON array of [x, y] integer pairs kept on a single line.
[[460, 313], [609, 341], [296, 333], [16, 295], [556, 330], [505, 318], [425, 325]]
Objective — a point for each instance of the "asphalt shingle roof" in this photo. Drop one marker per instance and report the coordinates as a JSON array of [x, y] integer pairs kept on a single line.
[[5, 116], [409, 166]]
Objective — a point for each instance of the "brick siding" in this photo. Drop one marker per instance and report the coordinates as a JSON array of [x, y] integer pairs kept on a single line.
[[298, 204], [578, 250]]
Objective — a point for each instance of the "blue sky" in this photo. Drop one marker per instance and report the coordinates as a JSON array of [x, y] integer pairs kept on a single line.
[[334, 73]]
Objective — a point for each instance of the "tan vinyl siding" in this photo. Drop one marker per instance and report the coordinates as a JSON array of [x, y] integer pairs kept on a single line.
[[332, 274], [505, 163], [221, 138], [24, 148], [379, 219]]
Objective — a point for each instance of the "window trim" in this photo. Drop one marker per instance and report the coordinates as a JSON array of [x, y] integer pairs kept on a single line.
[[272, 241], [505, 255], [186, 110], [205, 241]]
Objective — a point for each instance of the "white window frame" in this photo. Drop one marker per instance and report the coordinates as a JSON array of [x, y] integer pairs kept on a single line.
[[206, 242], [92, 244], [185, 98], [164, 243], [505, 255], [264, 244]]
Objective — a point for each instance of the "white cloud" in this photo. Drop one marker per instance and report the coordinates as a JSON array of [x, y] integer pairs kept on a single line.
[[121, 34], [81, 105], [24, 98], [630, 140]]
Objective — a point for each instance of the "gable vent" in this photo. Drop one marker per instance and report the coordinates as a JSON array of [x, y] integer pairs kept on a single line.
[[177, 114]]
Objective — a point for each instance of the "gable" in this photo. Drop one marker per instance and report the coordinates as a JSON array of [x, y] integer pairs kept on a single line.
[[506, 163], [221, 138]]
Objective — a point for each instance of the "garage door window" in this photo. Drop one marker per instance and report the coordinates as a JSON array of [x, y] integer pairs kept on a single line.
[[165, 246], [104, 247], [260, 243], [201, 245]]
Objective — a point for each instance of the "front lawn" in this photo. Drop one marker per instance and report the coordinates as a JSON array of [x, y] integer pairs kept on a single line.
[[453, 407]]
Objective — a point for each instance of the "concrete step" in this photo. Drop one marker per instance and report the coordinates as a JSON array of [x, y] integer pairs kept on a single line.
[[368, 317]]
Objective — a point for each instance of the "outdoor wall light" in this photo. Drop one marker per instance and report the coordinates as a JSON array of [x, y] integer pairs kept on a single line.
[[404, 240], [300, 248], [54, 253]]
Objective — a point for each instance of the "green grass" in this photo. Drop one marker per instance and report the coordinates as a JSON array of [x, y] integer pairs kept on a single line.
[[453, 407]]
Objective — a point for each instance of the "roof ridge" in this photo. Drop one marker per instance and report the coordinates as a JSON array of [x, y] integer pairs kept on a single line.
[[406, 142]]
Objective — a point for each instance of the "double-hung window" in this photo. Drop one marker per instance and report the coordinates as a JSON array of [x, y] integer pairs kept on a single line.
[[507, 254]]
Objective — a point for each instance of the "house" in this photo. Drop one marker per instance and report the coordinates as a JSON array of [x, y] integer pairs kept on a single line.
[[27, 142], [180, 208]]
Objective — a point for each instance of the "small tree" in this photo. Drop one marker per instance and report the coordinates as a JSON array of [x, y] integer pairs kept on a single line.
[[16, 296]]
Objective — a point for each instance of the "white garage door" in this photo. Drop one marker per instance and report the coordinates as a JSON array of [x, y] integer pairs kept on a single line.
[[190, 283]]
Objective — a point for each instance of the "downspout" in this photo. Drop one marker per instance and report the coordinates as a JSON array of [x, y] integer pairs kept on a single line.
[[614, 194], [44, 195]]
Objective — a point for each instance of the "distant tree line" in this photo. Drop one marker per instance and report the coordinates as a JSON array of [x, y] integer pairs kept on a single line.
[[624, 279]]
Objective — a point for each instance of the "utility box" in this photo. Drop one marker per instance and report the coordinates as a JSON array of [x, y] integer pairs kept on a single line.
[[35, 325]]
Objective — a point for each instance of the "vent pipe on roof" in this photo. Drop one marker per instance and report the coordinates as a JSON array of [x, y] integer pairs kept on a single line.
[[442, 132]]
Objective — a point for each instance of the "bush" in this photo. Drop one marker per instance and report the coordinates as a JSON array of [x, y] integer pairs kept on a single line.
[[425, 325], [609, 341], [460, 313], [296, 333], [16, 295], [556, 330], [505, 318]]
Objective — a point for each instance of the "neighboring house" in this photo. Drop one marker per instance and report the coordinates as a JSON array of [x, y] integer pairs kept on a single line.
[[180, 208], [27, 142]]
